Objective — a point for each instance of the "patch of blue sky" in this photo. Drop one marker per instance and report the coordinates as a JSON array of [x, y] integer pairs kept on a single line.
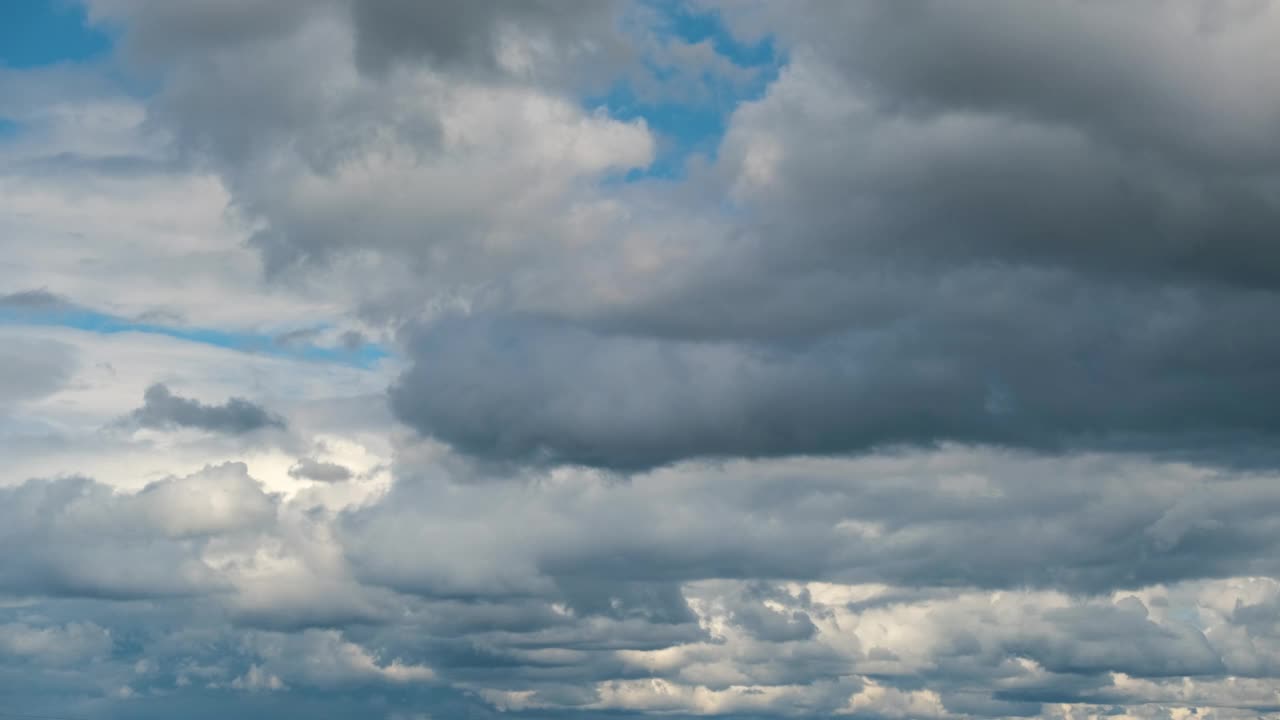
[[682, 131], [695, 25], [365, 356], [690, 126], [35, 33], [8, 129]]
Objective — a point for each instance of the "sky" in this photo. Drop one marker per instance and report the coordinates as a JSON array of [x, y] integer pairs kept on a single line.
[[609, 359]]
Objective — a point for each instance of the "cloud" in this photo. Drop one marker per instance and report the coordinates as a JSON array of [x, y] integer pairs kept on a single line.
[[56, 646], [815, 586], [163, 410], [84, 540], [924, 246], [323, 657], [75, 178], [458, 166], [40, 299], [938, 384], [1090, 524], [301, 336], [31, 368], [319, 471], [970, 363], [519, 38], [216, 500]]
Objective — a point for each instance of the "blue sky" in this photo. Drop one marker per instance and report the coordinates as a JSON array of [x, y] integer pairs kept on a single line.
[[686, 129], [43, 32], [37, 33], [366, 355]]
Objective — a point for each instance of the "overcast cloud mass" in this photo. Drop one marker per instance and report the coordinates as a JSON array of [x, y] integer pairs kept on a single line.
[[611, 359]]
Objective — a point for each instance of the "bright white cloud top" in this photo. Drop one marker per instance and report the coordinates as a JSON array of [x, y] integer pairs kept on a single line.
[[607, 359]]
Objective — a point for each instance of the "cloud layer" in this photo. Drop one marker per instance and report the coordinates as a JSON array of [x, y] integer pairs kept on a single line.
[[891, 359]]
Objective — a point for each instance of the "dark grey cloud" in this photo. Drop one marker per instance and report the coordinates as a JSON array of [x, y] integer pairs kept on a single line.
[[38, 299], [319, 471], [161, 409], [301, 336], [932, 241], [473, 36], [1027, 359], [654, 603], [1116, 70], [767, 623], [353, 339], [155, 30]]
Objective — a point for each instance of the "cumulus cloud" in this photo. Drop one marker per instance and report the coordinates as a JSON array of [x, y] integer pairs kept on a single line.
[[914, 260], [938, 383], [948, 584], [163, 410], [83, 539]]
